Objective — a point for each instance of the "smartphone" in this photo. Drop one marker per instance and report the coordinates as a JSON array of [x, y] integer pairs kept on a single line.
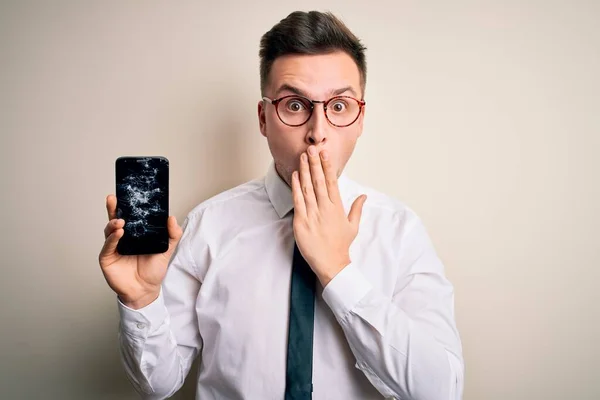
[[142, 190]]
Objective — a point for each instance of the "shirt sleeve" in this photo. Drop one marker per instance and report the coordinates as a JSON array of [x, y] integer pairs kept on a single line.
[[406, 344], [159, 342]]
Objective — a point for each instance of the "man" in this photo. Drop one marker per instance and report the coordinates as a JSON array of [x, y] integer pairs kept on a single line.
[[294, 285]]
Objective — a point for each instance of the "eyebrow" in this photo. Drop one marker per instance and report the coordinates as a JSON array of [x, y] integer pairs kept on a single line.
[[295, 90]]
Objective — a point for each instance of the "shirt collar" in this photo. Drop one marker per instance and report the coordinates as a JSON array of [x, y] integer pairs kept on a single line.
[[280, 194]]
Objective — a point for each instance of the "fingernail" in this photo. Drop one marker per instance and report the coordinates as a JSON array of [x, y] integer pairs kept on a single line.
[[311, 150], [303, 157], [324, 155]]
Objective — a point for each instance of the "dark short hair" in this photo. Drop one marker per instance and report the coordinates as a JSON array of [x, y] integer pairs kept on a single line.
[[310, 33]]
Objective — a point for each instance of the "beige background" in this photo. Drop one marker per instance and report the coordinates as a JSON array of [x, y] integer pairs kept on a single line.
[[482, 116]]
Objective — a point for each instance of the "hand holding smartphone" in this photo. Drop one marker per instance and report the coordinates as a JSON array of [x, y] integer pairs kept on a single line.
[[140, 237]]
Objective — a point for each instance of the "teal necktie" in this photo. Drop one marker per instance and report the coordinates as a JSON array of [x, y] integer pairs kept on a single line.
[[298, 384]]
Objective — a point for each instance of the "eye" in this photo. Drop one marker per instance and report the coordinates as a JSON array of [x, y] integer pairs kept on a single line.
[[339, 106], [295, 105]]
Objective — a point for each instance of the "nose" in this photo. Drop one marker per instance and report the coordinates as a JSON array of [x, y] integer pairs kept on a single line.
[[317, 126]]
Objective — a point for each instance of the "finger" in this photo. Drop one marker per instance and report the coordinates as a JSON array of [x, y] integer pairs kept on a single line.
[[175, 233], [174, 229], [299, 205], [306, 184], [113, 225], [331, 179], [110, 244], [316, 173], [356, 211], [111, 206]]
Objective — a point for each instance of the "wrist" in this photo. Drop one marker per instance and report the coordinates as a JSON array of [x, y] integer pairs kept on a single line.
[[325, 275], [137, 302]]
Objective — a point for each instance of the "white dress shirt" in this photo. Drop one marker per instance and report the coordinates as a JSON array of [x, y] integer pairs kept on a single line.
[[384, 325]]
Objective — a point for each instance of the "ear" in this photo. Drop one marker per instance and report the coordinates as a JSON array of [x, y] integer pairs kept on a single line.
[[262, 118], [361, 119]]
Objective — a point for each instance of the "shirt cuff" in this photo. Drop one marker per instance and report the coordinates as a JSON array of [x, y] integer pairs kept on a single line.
[[144, 320], [345, 290]]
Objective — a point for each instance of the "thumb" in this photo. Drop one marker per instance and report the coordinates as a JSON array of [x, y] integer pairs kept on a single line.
[[356, 210], [109, 253]]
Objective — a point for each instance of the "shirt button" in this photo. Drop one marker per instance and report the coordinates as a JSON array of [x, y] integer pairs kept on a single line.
[[141, 325]]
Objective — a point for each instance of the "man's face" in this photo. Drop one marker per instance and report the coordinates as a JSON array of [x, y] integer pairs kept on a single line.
[[317, 77]]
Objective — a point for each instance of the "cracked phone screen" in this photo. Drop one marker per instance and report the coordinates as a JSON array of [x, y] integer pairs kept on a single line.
[[142, 185]]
